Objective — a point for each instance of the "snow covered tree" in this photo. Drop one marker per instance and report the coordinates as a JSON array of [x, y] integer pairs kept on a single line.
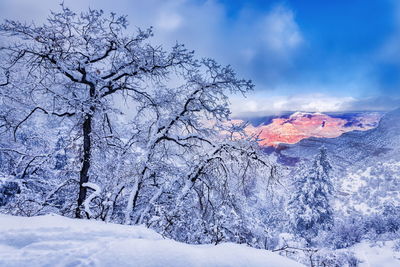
[[74, 65], [136, 134], [309, 207]]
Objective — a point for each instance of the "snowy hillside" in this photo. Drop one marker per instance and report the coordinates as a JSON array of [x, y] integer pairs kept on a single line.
[[53, 240], [380, 254]]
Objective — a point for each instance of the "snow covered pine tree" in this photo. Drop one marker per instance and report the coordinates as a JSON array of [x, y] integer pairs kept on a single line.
[[309, 206]]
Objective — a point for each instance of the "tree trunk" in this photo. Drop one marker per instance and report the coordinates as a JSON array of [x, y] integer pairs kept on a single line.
[[84, 177]]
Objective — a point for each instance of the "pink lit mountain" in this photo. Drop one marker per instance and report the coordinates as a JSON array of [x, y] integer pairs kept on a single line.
[[302, 125]]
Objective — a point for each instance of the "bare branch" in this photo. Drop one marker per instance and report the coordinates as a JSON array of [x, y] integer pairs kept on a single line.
[[68, 114]]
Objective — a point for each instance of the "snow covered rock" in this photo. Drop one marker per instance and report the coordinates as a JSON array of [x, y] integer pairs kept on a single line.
[[53, 240]]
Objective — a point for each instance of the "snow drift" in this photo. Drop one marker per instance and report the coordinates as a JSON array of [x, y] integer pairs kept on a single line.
[[53, 240]]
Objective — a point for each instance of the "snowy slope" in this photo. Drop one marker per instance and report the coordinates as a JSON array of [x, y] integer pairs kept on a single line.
[[53, 240], [380, 254]]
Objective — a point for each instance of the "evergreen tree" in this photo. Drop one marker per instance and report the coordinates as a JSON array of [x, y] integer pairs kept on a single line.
[[309, 206]]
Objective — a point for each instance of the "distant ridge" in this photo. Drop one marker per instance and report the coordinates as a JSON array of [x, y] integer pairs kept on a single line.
[[290, 129], [355, 148]]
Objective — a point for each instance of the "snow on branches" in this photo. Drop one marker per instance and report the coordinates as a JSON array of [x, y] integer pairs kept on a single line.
[[145, 124]]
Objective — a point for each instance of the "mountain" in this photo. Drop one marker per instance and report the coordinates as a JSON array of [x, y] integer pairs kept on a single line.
[[301, 125], [352, 149]]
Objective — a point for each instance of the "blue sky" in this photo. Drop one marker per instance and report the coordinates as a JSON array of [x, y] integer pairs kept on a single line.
[[301, 54]]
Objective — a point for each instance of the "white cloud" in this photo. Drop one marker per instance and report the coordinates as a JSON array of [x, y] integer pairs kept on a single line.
[[280, 32], [169, 22], [256, 105], [265, 46], [259, 46], [272, 35]]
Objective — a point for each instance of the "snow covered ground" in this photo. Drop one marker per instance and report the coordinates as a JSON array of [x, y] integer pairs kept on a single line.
[[53, 240], [380, 254]]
